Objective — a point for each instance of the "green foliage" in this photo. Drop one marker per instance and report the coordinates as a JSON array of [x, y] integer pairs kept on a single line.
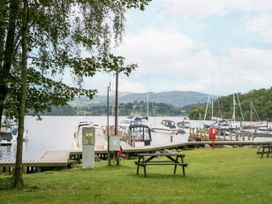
[[175, 98], [261, 99], [196, 112], [70, 35], [125, 109]]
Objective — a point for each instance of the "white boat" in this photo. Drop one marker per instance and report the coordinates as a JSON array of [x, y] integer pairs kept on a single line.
[[166, 126], [183, 124], [14, 133], [5, 136], [220, 123], [132, 120], [139, 133], [100, 139]]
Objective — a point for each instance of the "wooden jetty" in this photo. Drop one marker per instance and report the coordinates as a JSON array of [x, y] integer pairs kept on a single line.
[[129, 151], [52, 160], [201, 134]]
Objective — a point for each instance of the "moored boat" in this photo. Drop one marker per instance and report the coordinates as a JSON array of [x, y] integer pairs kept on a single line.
[[6, 136], [100, 141], [132, 120]]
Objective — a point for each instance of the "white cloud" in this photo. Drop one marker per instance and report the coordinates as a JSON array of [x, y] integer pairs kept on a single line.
[[128, 85], [173, 61], [194, 8], [152, 49], [205, 8], [261, 24]]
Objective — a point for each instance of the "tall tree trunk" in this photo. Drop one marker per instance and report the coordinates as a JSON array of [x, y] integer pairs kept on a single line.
[[3, 12], [18, 174], [2, 45], [8, 53]]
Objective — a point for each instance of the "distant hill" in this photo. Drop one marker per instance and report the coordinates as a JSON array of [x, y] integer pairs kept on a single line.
[[175, 98]]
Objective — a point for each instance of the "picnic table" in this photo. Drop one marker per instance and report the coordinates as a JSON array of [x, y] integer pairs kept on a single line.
[[172, 158], [265, 150]]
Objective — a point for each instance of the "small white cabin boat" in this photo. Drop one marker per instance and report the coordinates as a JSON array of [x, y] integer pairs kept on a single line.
[[5, 136], [100, 139], [132, 120]]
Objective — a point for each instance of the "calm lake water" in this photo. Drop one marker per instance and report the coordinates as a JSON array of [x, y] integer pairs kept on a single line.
[[56, 133]]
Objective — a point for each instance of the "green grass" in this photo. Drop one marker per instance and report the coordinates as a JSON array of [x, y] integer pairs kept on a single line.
[[219, 176]]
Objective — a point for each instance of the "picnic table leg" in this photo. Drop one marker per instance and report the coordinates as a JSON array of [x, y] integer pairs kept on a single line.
[[183, 170], [138, 165], [175, 168], [269, 150], [183, 167], [144, 170], [263, 151]]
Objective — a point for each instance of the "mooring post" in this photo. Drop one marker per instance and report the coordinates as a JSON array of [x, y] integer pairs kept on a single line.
[[236, 135]]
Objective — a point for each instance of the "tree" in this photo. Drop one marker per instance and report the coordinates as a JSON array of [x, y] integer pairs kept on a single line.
[[261, 99], [18, 181], [42, 39]]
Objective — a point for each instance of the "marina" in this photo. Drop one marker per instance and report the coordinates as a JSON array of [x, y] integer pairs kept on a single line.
[[50, 143]]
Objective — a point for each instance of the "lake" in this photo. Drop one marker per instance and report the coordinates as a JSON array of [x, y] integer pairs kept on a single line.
[[57, 133]]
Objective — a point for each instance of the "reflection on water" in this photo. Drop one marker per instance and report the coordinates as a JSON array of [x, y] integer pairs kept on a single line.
[[56, 133]]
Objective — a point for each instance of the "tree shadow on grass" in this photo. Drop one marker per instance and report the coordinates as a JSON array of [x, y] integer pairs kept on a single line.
[[158, 176], [6, 183]]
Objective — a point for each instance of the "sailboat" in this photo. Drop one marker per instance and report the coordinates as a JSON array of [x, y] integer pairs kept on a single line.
[[220, 122], [257, 128]]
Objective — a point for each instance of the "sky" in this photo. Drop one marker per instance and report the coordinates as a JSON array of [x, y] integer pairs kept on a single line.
[[210, 46]]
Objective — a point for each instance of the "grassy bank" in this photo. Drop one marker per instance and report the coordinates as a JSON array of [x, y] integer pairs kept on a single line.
[[219, 176]]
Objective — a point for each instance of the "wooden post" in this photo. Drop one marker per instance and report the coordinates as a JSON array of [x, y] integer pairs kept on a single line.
[[236, 135], [116, 113], [108, 125]]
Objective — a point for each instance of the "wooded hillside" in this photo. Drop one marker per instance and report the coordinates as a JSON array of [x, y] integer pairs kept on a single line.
[[223, 106]]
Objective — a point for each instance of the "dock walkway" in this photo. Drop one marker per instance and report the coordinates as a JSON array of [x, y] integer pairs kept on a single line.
[[49, 160], [65, 159]]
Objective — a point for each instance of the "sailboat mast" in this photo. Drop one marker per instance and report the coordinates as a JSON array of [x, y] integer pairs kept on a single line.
[[116, 103], [240, 107], [212, 107], [206, 110], [147, 104], [234, 104], [251, 112]]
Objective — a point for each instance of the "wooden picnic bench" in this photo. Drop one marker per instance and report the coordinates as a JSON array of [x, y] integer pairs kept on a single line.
[[175, 159], [265, 150]]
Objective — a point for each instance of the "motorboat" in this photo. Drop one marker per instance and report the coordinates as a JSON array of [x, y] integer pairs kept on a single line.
[[169, 124], [183, 124], [100, 140], [220, 123], [139, 133], [14, 132], [5, 136], [166, 126], [132, 120]]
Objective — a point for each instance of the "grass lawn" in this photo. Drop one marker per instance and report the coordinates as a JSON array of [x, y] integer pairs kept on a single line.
[[233, 175]]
